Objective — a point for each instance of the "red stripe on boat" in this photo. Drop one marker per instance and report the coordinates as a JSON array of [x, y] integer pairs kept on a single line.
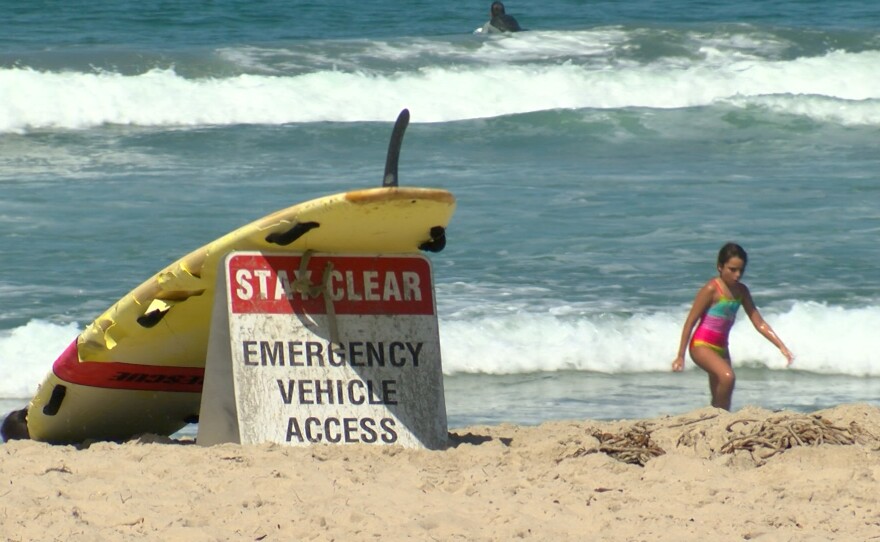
[[126, 376]]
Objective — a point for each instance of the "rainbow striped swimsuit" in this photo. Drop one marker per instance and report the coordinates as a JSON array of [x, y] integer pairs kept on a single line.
[[715, 324]]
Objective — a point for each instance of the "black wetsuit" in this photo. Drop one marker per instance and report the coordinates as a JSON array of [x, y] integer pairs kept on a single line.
[[504, 23]]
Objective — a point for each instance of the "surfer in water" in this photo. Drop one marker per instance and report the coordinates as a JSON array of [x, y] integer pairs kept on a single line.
[[499, 21], [713, 313]]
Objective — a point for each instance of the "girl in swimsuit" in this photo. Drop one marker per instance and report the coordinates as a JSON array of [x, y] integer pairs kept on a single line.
[[713, 313]]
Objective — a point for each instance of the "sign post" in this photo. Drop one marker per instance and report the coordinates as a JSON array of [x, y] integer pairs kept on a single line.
[[324, 348]]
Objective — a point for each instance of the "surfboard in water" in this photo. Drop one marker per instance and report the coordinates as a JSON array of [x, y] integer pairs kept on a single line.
[[139, 367]]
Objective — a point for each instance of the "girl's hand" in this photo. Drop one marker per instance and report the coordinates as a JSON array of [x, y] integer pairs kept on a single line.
[[678, 364], [789, 357]]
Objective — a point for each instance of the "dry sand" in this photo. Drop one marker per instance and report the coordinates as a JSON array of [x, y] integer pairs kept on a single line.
[[706, 476]]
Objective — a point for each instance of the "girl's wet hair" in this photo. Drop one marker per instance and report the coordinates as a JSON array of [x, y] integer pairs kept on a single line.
[[732, 250]]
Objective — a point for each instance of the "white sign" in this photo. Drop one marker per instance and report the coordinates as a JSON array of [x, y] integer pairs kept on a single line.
[[325, 348]]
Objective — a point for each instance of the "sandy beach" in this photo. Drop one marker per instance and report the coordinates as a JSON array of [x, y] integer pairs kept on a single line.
[[705, 475]]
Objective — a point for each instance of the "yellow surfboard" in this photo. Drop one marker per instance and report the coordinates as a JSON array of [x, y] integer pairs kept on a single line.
[[139, 367]]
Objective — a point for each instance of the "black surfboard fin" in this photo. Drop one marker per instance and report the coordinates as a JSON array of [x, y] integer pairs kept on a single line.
[[150, 319], [393, 157], [437, 242], [298, 230], [55, 400]]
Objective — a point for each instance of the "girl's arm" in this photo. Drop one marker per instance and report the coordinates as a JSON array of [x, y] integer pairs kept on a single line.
[[703, 300], [762, 326]]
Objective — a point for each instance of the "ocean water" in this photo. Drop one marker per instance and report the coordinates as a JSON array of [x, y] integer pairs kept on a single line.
[[600, 159]]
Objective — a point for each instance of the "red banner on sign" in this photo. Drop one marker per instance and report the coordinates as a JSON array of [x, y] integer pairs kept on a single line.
[[281, 284]]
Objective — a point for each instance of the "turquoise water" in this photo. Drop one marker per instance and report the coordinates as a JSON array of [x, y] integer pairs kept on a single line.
[[599, 159]]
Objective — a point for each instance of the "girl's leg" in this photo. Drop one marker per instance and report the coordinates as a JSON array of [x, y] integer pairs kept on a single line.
[[721, 376]]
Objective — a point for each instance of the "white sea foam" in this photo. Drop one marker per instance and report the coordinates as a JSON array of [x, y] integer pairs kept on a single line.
[[837, 87], [27, 353], [826, 340]]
